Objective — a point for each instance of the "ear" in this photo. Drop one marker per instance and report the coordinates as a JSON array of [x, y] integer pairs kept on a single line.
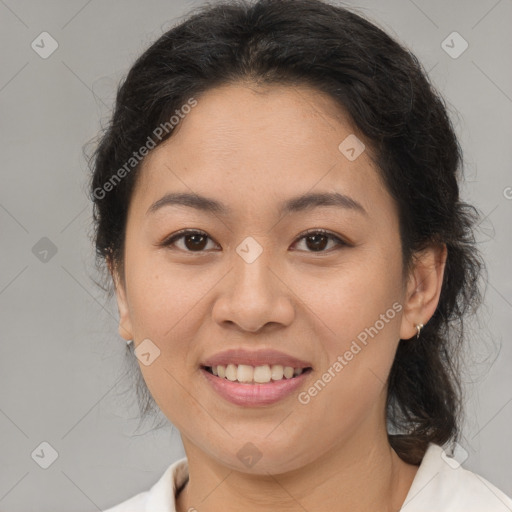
[[125, 324], [423, 289]]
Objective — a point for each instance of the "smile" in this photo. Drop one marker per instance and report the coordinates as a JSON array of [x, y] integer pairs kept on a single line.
[[251, 393], [247, 374]]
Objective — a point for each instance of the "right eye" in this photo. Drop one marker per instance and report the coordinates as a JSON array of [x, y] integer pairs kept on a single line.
[[194, 241]]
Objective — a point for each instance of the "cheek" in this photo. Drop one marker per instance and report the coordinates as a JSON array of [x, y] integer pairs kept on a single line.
[[350, 386], [356, 314], [166, 308], [164, 298], [345, 300]]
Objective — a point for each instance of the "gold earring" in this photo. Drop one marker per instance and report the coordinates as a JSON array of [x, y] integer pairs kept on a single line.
[[418, 327]]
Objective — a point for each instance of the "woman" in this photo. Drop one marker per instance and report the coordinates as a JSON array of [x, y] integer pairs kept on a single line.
[[277, 202]]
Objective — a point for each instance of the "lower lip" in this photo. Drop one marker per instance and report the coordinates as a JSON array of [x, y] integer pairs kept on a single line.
[[252, 395]]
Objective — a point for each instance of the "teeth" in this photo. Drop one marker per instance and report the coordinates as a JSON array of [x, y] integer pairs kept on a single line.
[[255, 374], [244, 373], [277, 372], [231, 373], [262, 374], [288, 372]]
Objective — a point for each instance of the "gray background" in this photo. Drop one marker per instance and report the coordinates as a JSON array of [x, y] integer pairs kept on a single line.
[[62, 360]]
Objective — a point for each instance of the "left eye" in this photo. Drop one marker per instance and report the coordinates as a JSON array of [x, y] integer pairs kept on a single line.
[[316, 238]]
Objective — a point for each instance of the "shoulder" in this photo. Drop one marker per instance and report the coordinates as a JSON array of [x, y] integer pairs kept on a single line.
[[443, 485], [162, 494]]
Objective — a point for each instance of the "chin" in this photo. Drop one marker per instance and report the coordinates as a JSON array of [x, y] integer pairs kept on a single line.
[[261, 457]]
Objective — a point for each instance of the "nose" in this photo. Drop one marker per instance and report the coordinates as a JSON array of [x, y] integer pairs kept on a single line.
[[254, 295]]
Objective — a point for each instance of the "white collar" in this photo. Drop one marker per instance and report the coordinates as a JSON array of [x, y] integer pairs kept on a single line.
[[441, 484], [162, 496]]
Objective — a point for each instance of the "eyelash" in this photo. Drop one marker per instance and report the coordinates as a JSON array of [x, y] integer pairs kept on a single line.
[[181, 234]]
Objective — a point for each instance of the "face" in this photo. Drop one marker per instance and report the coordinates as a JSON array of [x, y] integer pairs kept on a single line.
[[251, 278]]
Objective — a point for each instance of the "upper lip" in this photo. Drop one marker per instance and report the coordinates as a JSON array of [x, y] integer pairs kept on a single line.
[[254, 358]]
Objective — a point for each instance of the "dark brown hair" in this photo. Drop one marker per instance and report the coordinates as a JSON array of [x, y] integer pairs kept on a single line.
[[388, 96]]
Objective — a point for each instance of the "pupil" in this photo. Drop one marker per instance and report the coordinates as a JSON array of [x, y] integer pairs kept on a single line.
[[316, 237], [195, 245]]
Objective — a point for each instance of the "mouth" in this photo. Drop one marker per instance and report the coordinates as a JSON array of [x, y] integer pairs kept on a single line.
[[254, 375], [259, 386], [251, 378]]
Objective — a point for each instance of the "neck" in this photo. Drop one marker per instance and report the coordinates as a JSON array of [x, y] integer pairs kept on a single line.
[[358, 475]]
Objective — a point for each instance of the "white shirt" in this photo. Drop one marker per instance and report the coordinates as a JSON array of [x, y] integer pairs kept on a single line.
[[437, 487]]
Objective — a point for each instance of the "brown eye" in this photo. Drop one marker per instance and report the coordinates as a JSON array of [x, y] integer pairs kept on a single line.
[[317, 240], [193, 241], [197, 242]]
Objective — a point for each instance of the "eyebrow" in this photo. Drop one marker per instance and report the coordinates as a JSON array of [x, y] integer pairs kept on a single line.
[[300, 203]]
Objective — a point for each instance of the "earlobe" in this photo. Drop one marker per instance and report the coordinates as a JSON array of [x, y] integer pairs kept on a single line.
[[423, 289], [125, 326]]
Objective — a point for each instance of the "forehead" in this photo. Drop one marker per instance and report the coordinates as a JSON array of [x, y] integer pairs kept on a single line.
[[273, 116], [259, 142]]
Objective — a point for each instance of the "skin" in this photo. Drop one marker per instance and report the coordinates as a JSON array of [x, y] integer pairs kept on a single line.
[[252, 148]]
